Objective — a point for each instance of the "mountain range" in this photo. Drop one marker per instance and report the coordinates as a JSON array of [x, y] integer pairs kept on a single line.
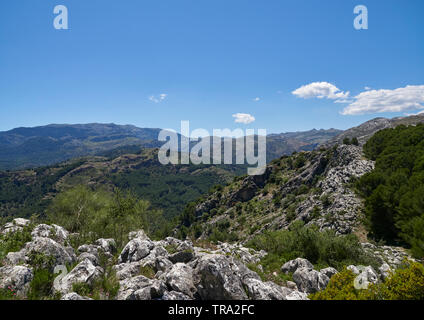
[[23, 148]]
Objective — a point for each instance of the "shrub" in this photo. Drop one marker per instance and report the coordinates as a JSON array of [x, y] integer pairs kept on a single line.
[[323, 248], [340, 287], [406, 283], [100, 214]]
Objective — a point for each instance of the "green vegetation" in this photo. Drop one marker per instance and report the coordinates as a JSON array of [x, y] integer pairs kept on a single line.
[[354, 141], [170, 188], [102, 214], [394, 190], [25, 193], [323, 249], [14, 241], [406, 283]]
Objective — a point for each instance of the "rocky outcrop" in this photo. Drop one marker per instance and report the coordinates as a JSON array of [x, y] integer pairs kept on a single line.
[[16, 279], [84, 272], [293, 265], [169, 269], [16, 225]]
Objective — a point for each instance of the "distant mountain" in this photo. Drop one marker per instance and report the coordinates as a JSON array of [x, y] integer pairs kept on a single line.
[[287, 143], [51, 144], [23, 148], [367, 129]]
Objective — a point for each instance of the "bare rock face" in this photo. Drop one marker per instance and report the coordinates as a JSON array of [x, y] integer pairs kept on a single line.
[[52, 249], [54, 232], [140, 288], [85, 272], [16, 225], [136, 250], [365, 274], [220, 277], [74, 297], [329, 272], [258, 290], [16, 279], [180, 278], [171, 269], [293, 265], [309, 280]]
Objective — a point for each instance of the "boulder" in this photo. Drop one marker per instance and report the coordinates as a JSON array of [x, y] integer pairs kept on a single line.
[[14, 258], [86, 255], [174, 295], [385, 271], [292, 265], [258, 290], [180, 278], [219, 277], [84, 272], [127, 270], [309, 280], [74, 296], [329, 272], [135, 250], [107, 245], [16, 225], [50, 248], [17, 278], [129, 286], [365, 275], [54, 232], [182, 256]]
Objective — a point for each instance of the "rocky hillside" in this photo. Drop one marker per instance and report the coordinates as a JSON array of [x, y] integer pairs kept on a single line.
[[168, 269], [314, 187], [366, 130]]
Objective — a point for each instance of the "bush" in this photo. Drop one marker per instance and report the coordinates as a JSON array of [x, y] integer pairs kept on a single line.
[[406, 283], [320, 248], [14, 241], [101, 214], [340, 287]]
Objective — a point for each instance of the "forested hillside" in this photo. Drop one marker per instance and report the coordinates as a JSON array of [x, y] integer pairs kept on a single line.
[[170, 187], [394, 190]]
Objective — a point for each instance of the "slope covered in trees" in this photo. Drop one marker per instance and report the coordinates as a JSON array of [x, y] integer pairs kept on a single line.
[[394, 190]]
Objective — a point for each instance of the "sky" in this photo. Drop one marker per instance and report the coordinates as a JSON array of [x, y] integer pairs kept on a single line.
[[261, 64]]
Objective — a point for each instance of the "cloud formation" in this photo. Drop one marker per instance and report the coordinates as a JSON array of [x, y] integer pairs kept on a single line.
[[159, 98], [320, 90], [257, 99], [377, 101], [243, 118]]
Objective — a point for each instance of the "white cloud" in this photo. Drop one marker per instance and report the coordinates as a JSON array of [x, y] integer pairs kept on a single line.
[[320, 90], [257, 99], [377, 101], [243, 118], [367, 88], [157, 99]]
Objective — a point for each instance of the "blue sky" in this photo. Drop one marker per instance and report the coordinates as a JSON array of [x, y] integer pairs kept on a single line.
[[210, 60]]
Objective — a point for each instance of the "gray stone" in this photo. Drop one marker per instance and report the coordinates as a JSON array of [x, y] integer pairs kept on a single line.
[[180, 278], [292, 265], [135, 250], [17, 278], [309, 280], [84, 272]]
